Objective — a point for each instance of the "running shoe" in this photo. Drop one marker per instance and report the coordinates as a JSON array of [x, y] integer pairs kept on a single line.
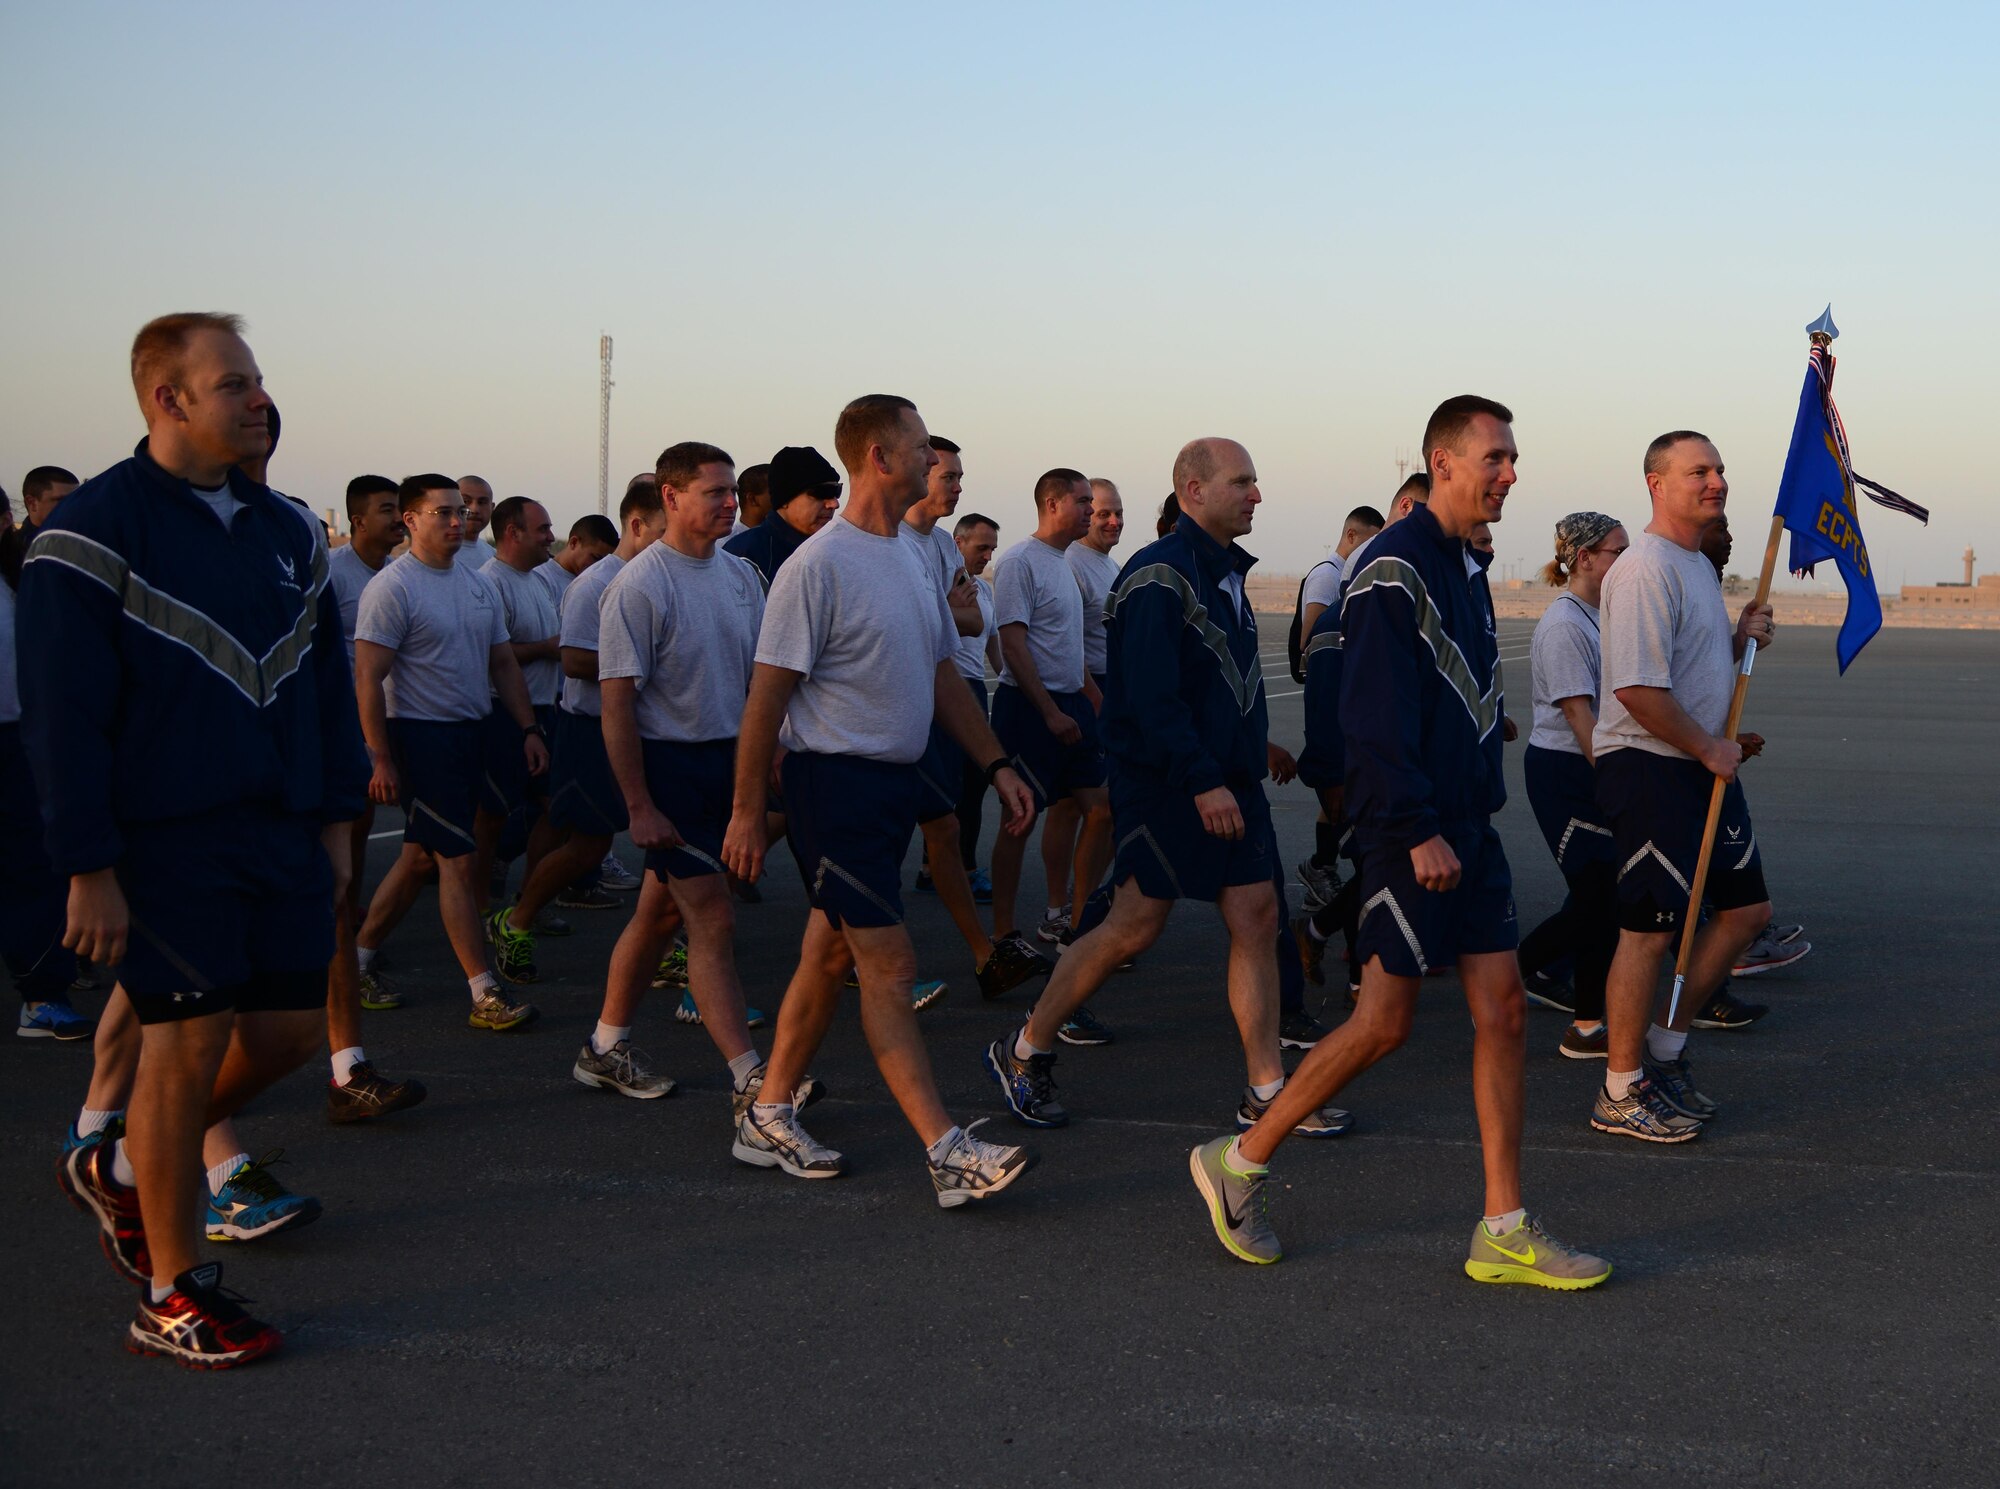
[[973, 1168], [1726, 1011], [612, 874], [587, 897], [1674, 1082], [1084, 1028], [74, 1142], [1550, 992], [1328, 1121], [779, 1141], [552, 925], [1529, 1254], [1577, 1045], [1784, 935], [491, 1011], [673, 971], [1317, 886], [622, 1069], [925, 884], [1237, 1204], [689, 1012], [513, 951], [1312, 951], [253, 1204], [376, 994], [982, 887], [1051, 930], [1299, 1031], [114, 1206], [53, 1018], [1012, 963], [1029, 1085], [1071, 936], [1767, 954], [1642, 1113], [809, 1090], [923, 994], [368, 1095], [201, 1324]]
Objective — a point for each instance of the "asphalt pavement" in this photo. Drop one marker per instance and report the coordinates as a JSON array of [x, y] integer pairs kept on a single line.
[[525, 1281]]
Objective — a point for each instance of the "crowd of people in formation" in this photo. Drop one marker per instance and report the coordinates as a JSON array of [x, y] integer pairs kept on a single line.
[[204, 703]]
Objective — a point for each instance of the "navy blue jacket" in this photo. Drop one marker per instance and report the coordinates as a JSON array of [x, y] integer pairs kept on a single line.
[[170, 668], [767, 545], [1323, 762], [1420, 696], [1184, 702]]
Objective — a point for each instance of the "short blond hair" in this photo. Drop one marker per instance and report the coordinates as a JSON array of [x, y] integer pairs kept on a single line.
[[160, 348]]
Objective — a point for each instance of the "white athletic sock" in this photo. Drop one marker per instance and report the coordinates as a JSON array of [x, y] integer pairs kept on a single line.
[[1024, 1050], [743, 1067], [1619, 1083], [606, 1036], [219, 1174], [160, 1291], [1269, 1089], [1314, 931], [1052, 912], [1233, 1158], [770, 1111], [365, 955], [942, 1146], [121, 1166], [1593, 1027], [344, 1062], [1499, 1225], [89, 1121], [483, 986], [1665, 1045]]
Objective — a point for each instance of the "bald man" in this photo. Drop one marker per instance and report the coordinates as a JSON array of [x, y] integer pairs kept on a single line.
[[1186, 729]]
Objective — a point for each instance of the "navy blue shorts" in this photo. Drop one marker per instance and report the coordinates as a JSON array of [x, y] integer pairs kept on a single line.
[[941, 775], [1562, 788], [583, 794], [1052, 770], [1162, 844], [230, 910], [1657, 806], [34, 899], [694, 786], [1416, 930], [441, 766], [504, 782], [849, 822]]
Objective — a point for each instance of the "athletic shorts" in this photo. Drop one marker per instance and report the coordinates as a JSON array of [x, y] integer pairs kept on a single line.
[[940, 775], [505, 783], [1052, 770], [1416, 930], [849, 822], [1562, 789], [230, 910], [583, 794], [1103, 681], [694, 786], [1162, 844], [441, 766], [1657, 806]]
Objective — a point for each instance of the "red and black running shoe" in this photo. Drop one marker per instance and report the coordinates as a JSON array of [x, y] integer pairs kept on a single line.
[[115, 1207], [200, 1324]]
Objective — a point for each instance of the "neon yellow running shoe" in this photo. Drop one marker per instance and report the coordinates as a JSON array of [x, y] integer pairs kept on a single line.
[[1529, 1254], [1235, 1202]]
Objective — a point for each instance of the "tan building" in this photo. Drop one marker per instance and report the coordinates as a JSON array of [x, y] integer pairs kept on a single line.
[[1983, 595]]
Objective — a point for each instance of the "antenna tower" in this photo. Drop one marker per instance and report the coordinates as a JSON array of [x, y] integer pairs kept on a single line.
[[604, 425], [1402, 465]]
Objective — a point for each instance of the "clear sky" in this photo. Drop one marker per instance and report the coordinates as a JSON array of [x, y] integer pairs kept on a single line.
[[1075, 234]]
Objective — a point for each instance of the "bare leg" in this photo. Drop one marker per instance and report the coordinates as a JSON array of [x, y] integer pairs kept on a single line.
[[1379, 1025], [1499, 1007], [1717, 945], [394, 895], [809, 1003], [343, 975], [637, 953], [710, 913], [263, 1049], [115, 1055], [1629, 990], [1093, 850], [1059, 849], [1008, 851], [1134, 924], [167, 1115], [887, 964], [486, 829], [542, 836], [458, 908], [560, 867], [954, 888], [1251, 913]]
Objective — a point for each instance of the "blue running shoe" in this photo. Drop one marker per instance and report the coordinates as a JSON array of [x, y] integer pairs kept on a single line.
[[53, 1018], [923, 994], [1029, 1085], [688, 1013], [253, 1204], [982, 887]]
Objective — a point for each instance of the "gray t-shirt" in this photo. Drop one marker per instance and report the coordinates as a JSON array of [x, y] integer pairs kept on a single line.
[[1322, 586], [972, 649], [936, 551], [858, 615], [530, 615], [580, 604], [1034, 586], [1564, 661], [1095, 574], [557, 578], [1665, 626], [685, 629], [443, 625], [349, 574]]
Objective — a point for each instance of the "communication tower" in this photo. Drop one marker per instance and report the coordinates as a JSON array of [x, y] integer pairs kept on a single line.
[[604, 425]]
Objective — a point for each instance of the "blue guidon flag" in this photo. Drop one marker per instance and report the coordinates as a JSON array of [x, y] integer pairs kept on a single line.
[[1816, 497]]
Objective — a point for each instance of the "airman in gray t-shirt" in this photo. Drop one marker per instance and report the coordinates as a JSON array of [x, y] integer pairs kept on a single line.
[[685, 631], [1664, 626], [1034, 586], [442, 624]]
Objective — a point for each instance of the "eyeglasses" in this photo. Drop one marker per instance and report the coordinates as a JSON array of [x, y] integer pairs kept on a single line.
[[445, 512]]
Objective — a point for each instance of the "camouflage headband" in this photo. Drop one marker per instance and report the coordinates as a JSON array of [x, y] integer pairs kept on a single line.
[[1579, 531]]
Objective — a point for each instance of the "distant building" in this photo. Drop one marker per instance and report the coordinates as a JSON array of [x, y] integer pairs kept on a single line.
[[1983, 595]]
